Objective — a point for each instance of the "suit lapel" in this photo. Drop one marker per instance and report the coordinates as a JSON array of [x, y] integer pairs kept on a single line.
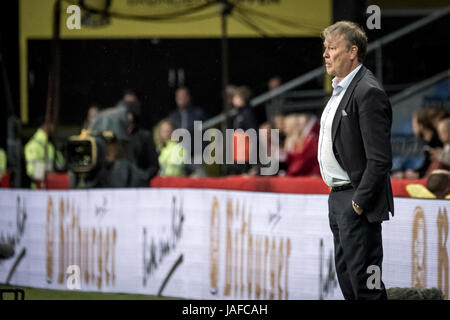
[[345, 100]]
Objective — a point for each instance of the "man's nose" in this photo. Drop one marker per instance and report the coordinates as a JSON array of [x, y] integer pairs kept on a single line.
[[325, 53]]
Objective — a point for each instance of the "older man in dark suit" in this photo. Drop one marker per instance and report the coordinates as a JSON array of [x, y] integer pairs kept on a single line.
[[355, 161]]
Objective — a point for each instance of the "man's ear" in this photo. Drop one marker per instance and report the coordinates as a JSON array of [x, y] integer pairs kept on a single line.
[[354, 52]]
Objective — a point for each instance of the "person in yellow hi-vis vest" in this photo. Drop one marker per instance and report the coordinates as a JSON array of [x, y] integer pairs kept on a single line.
[[171, 156], [2, 162], [36, 160]]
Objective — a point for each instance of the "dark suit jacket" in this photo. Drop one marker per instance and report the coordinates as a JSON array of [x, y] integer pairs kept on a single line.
[[193, 114], [361, 134]]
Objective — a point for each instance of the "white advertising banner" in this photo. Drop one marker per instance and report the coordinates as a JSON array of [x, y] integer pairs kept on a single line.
[[203, 244]]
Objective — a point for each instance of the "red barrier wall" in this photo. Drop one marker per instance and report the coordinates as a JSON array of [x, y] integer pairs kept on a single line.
[[304, 185]]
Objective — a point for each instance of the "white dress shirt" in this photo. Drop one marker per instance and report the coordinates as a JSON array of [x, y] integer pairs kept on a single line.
[[332, 173]]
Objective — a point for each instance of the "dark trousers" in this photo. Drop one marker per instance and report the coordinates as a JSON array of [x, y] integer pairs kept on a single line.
[[357, 249]]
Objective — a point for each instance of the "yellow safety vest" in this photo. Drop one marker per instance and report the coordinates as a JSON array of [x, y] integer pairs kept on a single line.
[[171, 159], [2, 162], [36, 166]]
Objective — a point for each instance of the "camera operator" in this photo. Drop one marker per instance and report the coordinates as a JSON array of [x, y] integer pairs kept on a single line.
[[115, 152]]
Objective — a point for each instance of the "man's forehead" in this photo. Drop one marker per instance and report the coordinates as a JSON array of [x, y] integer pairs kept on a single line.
[[333, 38]]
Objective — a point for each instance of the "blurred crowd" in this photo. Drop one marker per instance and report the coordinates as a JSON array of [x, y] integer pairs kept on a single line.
[[132, 155], [431, 126]]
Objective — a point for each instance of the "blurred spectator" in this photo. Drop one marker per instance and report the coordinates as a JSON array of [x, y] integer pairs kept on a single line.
[[439, 183], [271, 148], [114, 119], [293, 127], [140, 148], [91, 116], [278, 123], [186, 113], [172, 154], [290, 140], [444, 136], [229, 94], [3, 164], [435, 115], [275, 104], [274, 83], [119, 172], [424, 123], [407, 150], [437, 186], [146, 119], [267, 142], [40, 155], [184, 118], [302, 160], [244, 120], [130, 95], [130, 159]]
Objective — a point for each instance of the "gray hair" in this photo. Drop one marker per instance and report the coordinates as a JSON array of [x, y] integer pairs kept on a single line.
[[352, 33]]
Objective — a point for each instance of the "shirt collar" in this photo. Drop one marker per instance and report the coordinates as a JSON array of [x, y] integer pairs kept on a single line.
[[347, 80]]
